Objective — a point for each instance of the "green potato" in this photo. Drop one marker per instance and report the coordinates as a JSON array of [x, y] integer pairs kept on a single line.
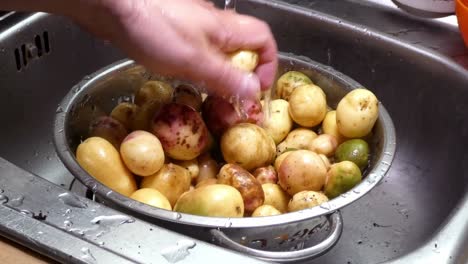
[[342, 177], [355, 150]]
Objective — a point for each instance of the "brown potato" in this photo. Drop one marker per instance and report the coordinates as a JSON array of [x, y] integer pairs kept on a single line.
[[181, 130], [239, 178], [154, 90], [142, 152], [265, 210], [101, 160], [152, 197], [247, 145], [110, 129], [306, 199], [266, 174], [299, 138], [324, 144], [171, 180], [302, 170], [125, 113], [188, 95], [308, 105], [276, 196]]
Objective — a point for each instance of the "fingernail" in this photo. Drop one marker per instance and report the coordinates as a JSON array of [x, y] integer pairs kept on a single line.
[[249, 86]]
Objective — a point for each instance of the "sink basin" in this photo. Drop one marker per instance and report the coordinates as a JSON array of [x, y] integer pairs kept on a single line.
[[425, 92]]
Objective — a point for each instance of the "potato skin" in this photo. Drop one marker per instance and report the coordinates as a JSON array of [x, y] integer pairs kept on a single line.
[[125, 113], [265, 210], [181, 130], [101, 160], [154, 90], [191, 166], [239, 178], [208, 168], [276, 196], [302, 170], [330, 127], [246, 60], [308, 105], [342, 177], [216, 200], [152, 197], [247, 145], [299, 138], [357, 113], [280, 159], [290, 81], [266, 175], [171, 180], [306, 199], [110, 129], [280, 122], [324, 144]]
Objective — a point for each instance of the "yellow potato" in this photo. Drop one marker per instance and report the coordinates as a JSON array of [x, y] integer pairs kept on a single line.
[[326, 161], [245, 60], [280, 159], [266, 175], [247, 145], [154, 90], [324, 144], [191, 166], [152, 197], [280, 123], [299, 138], [265, 210], [276, 196], [306, 199], [288, 82], [125, 113], [102, 161], [207, 181], [329, 126], [308, 105], [357, 113], [142, 152], [171, 180]]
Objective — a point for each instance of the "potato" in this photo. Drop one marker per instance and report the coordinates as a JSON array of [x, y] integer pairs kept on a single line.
[[239, 178], [144, 115], [247, 145], [326, 161], [280, 123], [125, 113], [306, 199], [308, 105], [188, 95], [357, 113], [191, 166], [276, 196], [266, 175], [152, 197], [101, 160], [208, 168], [342, 177], [171, 180], [181, 130], [355, 150], [299, 138], [142, 152], [324, 144], [280, 159], [217, 200], [110, 129], [330, 127], [219, 114], [290, 81], [265, 210], [207, 181], [302, 170], [154, 90], [245, 60]]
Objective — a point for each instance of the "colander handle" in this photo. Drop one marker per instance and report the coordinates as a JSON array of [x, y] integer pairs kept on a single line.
[[336, 227]]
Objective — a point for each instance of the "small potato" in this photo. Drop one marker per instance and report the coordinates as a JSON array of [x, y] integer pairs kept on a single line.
[[266, 175], [208, 168], [216, 200], [326, 161], [306, 199], [247, 145], [302, 170], [265, 210], [145, 113], [110, 129], [154, 90], [181, 130], [299, 138], [142, 152], [171, 180], [125, 113], [245, 60], [101, 160], [276, 196], [342, 177], [330, 127], [355, 150], [207, 181], [280, 123], [188, 95], [357, 113], [324, 144], [280, 159], [191, 166], [290, 81], [152, 197], [308, 105], [239, 178]]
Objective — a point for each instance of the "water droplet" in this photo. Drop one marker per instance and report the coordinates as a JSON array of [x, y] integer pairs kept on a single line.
[[228, 223], [68, 211], [87, 256], [77, 231], [112, 219], [3, 199], [386, 163], [100, 234], [109, 193], [177, 216], [101, 243], [387, 153], [36, 153], [179, 251], [18, 201], [40, 232], [72, 200], [26, 212], [67, 224], [87, 77], [76, 88], [2, 191]]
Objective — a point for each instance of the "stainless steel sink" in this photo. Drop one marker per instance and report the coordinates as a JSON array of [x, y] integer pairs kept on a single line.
[[416, 67]]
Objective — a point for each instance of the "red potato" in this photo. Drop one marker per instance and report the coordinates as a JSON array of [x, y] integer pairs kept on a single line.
[[181, 130], [266, 175], [302, 170], [219, 114], [110, 129]]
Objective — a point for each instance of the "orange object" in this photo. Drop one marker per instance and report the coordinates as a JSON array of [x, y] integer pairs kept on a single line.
[[461, 9]]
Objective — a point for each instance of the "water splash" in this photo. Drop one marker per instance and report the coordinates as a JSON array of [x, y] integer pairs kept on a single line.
[[112, 220]]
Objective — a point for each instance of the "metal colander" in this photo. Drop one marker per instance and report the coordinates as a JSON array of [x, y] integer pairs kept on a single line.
[[288, 237]]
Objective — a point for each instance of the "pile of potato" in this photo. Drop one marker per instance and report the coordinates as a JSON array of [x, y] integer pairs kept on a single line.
[[177, 149]]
